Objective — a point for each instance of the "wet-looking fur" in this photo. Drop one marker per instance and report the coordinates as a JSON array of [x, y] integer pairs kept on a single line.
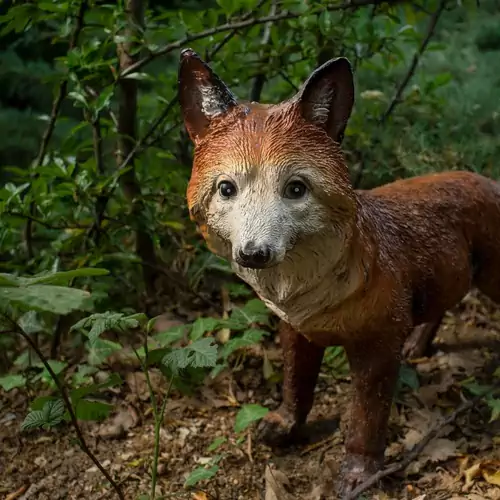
[[357, 268]]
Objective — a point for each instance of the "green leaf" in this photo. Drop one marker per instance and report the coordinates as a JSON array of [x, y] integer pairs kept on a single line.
[[408, 376], [247, 415], [77, 394], [218, 441], [54, 299], [170, 336], [202, 326], [51, 415], [100, 350], [255, 311], [200, 354], [92, 410], [494, 404], [9, 382], [249, 337], [64, 277], [200, 474], [108, 321]]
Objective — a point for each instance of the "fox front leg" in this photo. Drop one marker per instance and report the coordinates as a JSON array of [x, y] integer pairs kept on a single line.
[[374, 372], [302, 362]]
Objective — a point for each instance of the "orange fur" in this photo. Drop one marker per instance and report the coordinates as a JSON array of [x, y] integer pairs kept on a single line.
[[410, 249]]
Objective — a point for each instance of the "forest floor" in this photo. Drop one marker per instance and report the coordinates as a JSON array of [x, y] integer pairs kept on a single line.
[[462, 462]]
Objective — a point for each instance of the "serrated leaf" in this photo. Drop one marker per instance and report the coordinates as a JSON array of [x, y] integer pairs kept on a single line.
[[108, 321], [10, 382], [170, 336], [247, 415], [202, 326], [200, 354], [200, 474], [255, 311]]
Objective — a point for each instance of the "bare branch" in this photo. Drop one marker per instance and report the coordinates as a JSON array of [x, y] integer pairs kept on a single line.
[[244, 23], [416, 59], [404, 82], [56, 107], [417, 449]]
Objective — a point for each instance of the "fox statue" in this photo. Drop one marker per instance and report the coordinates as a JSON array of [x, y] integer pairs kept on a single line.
[[369, 270]]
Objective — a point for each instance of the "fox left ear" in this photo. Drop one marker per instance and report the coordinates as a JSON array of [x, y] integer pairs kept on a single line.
[[327, 97], [202, 94]]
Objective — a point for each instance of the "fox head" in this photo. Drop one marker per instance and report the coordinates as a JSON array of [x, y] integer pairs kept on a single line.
[[267, 179]]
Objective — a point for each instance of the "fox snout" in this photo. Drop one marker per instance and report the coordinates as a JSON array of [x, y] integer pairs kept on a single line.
[[254, 256]]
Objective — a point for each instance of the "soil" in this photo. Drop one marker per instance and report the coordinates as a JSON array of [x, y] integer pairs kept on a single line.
[[462, 462]]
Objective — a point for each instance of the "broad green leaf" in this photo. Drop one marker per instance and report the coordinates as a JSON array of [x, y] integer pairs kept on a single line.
[[77, 394], [249, 337], [64, 277], [54, 299], [100, 350], [202, 326], [247, 415], [108, 321], [200, 474], [255, 311], [494, 404], [171, 335], [408, 376], [92, 410], [9, 382]]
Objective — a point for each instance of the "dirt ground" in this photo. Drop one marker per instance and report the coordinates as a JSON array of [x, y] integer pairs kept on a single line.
[[462, 462]]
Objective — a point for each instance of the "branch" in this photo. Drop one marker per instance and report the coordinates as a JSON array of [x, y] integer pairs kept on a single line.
[[69, 407], [416, 59], [417, 449], [411, 71], [244, 23], [260, 79], [56, 107], [127, 139]]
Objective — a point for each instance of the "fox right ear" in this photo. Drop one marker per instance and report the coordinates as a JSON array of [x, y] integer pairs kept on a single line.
[[202, 94], [327, 97]]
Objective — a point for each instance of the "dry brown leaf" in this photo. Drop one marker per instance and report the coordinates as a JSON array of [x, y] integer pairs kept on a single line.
[[275, 485], [439, 450], [200, 495]]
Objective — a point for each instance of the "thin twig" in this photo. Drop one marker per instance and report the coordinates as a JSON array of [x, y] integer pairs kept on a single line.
[[56, 107], [404, 82], [68, 405], [245, 23], [416, 59], [417, 450]]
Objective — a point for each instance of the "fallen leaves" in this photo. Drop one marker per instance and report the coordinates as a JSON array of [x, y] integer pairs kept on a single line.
[[489, 470]]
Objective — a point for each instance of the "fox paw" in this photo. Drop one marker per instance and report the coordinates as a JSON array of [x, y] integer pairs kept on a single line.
[[355, 470], [277, 428]]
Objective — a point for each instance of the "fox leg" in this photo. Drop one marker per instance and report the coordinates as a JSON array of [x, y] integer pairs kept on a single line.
[[302, 362], [374, 371]]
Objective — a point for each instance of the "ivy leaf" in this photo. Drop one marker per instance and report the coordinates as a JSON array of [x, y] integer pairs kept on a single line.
[[247, 415], [201, 474]]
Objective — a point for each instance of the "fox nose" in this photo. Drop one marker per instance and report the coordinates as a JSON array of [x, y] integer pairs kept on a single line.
[[254, 256]]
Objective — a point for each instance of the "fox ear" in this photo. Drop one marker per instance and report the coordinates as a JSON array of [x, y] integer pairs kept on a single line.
[[327, 96], [202, 94]]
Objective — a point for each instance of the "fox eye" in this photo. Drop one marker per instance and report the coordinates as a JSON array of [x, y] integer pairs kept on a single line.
[[295, 190], [226, 189]]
